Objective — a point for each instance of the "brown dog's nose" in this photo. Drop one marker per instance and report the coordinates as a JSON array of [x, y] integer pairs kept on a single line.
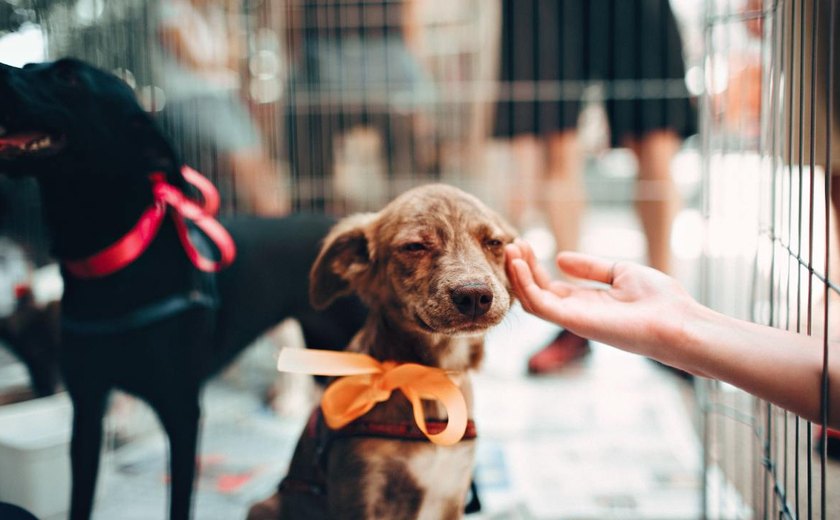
[[473, 299]]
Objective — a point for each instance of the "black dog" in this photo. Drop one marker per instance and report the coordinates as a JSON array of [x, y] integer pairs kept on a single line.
[[159, 327]]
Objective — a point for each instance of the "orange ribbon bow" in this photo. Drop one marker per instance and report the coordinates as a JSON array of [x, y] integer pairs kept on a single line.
[[366, 382]]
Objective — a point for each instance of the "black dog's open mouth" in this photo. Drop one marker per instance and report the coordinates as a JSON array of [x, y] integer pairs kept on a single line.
[[28, 144]]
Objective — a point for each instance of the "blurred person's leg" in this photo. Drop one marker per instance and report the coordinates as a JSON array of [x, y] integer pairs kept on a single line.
[[564, 201], [834, 260], [827, 141], [657, 198], [564, 198], [833, 326], [526, 150], [544, 47], [835, 207]]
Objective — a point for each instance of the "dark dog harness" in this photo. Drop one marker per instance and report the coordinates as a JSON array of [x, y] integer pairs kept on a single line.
[[196, 228], [362, 383], [143, 316], [324, 436]]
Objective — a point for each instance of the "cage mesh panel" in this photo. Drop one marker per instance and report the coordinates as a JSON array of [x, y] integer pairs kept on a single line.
[[791, 285]]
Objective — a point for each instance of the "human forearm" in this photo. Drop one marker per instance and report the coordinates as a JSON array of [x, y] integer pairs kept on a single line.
[[782, 367]]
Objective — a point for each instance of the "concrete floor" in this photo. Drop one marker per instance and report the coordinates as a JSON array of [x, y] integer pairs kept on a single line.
[[610, 438]]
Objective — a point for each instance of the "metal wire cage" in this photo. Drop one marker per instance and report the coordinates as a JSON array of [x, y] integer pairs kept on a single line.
[[769, 121], [330, 106], [314, 125]]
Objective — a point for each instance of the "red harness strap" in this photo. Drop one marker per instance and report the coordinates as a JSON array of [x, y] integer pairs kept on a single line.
[[128, 248], [401, 431]]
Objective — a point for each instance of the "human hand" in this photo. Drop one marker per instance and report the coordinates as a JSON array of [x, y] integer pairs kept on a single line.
[[636, 308]]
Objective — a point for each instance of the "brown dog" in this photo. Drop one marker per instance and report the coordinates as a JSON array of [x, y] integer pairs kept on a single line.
[[430, 267]]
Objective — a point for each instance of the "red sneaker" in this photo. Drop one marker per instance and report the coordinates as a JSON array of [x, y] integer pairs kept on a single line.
[[558, 354]]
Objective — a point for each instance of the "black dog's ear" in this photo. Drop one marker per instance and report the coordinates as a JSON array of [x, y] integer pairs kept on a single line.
[[344, 258]]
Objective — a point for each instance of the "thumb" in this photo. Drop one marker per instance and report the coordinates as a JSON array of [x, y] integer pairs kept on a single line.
[[586, 267]]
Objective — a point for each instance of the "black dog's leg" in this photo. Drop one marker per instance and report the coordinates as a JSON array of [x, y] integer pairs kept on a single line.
[[180, 418], [85, 446]]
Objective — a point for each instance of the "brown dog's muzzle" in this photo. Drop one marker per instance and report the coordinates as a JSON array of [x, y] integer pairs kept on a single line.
[[472, 299]]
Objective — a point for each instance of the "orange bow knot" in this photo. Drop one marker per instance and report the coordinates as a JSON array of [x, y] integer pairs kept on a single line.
[[366, 382]]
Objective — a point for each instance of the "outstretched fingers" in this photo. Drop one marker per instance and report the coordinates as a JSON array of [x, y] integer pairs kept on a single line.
[[523, 250], [537, 300]]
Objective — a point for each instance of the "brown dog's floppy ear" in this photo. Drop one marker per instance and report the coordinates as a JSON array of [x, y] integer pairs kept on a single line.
[[344, 257]]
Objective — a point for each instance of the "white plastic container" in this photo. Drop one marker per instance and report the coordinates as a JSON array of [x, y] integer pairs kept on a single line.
[[35, 454]]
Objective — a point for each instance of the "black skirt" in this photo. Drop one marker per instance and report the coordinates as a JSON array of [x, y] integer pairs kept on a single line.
[[551, 50]]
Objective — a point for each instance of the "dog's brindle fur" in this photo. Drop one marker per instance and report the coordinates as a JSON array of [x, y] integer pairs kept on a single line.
[[430, 267], [94, 179]]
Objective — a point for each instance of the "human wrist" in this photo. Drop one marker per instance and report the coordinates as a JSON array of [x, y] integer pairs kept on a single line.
[[684, 341]]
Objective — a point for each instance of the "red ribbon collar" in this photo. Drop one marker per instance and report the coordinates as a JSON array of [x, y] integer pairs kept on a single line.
[[128, 248]]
